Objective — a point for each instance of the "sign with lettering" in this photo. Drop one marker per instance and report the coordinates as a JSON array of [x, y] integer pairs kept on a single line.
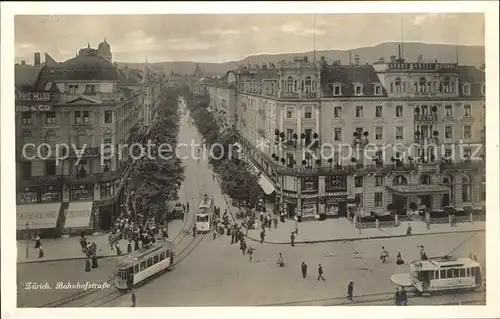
[[34, 108], [78, 215], [33, 96], [41, 216]]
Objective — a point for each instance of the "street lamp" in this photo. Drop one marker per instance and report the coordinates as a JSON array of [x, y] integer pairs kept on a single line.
[[27, 240]]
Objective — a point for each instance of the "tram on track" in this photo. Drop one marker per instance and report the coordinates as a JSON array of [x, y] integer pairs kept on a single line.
[[441, 274], [204, 213], [134, 268]]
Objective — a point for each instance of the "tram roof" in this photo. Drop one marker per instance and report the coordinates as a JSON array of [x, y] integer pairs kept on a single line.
[[434, 263], [143, 253]]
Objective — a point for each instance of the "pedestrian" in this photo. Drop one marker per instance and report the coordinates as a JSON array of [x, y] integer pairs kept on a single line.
[[292, 240], [408, 230], [87, 264], [187, 207], [320, 273], [40, 251], [399, 259], [233, 236], [250, 253], [118, 250], [136, 244], [403, 297], [214, 232], [133, 298], [262, 236], [184, 207], [243, 247], [275, 221], [397, 297], [194, 230], [303, 269], [350, 290], [383, 255], [38, 243]]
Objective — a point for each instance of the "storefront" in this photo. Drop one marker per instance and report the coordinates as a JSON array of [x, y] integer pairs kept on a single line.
[[40, 218], [51, 193], [309, 207], [82, 192], [335, 204], [29, 195], [78, 217]]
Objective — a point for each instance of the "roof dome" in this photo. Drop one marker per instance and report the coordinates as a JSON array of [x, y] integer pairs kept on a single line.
[[89, 67], [104, 45]]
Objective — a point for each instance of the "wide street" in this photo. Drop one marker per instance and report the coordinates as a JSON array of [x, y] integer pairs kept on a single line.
[[217, 274]]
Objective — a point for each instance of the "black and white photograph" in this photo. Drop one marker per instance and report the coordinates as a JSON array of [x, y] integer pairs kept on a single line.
[[249, 159]]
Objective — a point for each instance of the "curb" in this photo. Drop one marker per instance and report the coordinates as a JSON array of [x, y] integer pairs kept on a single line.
[[363, 238], [64, 259]]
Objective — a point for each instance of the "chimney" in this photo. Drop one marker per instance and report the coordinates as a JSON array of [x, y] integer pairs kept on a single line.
[[356, 60], [23, 62], [399, 51], [420, 58], [393, 59], [37, 60]]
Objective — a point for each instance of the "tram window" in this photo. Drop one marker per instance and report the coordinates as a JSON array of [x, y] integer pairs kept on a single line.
[[449, 273], [473, 272], [455, 273], [442, 274], [136, 269], [431, 275], [143, 265], [162, 255], [436, 274], [461, 272], [156, 259], [468, 272], [150, 262]]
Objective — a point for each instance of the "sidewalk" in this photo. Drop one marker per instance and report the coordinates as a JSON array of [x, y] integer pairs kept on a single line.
[[69, 248], [341, 229]]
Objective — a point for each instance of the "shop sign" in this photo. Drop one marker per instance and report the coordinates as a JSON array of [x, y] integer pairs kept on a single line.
[[33, 96], [37, 215], [34, 108]]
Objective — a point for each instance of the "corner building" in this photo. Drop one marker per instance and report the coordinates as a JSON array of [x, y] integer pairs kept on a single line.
[[363, 138], [84, 103]]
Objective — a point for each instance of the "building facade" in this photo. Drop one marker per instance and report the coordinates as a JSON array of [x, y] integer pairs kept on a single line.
[[71, 119], [376, 138]]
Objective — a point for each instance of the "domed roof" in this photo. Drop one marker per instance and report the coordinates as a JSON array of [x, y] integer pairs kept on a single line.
[[104, 45], [89, 67]]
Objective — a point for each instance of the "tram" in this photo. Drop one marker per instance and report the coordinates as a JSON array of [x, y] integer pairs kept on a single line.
[[134, 268], [441, 274], [204, 213]]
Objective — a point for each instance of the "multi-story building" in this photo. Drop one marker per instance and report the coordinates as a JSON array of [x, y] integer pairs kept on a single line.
[[223, 95], [365, 136], [75, 115]]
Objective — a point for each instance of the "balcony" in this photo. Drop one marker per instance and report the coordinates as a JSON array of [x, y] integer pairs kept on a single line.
[[426, 140], [425, 118], [289, 95], [429, 167], [309, 95], [462, 165], [345, 170]]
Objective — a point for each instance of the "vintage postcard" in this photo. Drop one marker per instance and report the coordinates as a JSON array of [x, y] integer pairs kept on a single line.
[[246, 155]]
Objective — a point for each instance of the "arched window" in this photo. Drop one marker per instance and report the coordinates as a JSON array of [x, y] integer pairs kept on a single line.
[[425, 180], [308, 84], [466, 189], [421, 84], [397, 84], [289, 84], [399, 180]]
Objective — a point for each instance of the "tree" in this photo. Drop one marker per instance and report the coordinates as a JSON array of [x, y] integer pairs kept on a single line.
[[238, 182]]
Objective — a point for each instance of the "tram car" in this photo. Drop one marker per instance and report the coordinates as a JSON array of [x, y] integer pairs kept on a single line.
[[441, 274], [204, 213], [138, 266]]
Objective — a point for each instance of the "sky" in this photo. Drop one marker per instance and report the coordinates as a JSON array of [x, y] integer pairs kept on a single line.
[[219, 38]]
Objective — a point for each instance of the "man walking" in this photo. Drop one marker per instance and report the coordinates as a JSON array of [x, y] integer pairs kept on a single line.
[[303, 268], [262, 236], [133, 298], [292, 239], [320, 273], [350, 290]]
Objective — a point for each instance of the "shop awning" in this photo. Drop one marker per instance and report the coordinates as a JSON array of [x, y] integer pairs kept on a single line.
[[78, 214], [402, 280], [416, 190], [265, 184], [38, 216]]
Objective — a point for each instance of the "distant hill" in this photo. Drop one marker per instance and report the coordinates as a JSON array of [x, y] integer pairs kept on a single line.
[[467, 55]]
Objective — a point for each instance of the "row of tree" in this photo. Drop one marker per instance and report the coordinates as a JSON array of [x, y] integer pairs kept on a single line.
[[237, 178], [155, 179]]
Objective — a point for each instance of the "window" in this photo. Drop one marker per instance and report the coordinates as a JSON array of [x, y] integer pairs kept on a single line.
[[447, 85], [466, 89], [162, 255], [308, 84], [337, 89], [378, 111], [448, 132], [378, 90], [397, 85], [106, 190], [26, 118], [78, 117], [288, 114], [289, 84], [359, 131], [467, 132], [466, 189], [289, 159], [72, 88], [358, 90], [289, 134], [50, 168], [143, 266], [359, 199], [308, 113], [90, 88], [379, 180], [467, 111], [108, 117], [337, 134], [309, 134], [337, 112], [378, 199], [425, 180], [358, 181], [379, 133], [442, 274], [106, 165], [86, 117], [399, 132], [26, 170], [421, 85], [448, 110], [399, 111], [336, 182], [50, 118], [359, 111], [136, 269], [156, 259], [150, 262], [399, 180], [107, 139]]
